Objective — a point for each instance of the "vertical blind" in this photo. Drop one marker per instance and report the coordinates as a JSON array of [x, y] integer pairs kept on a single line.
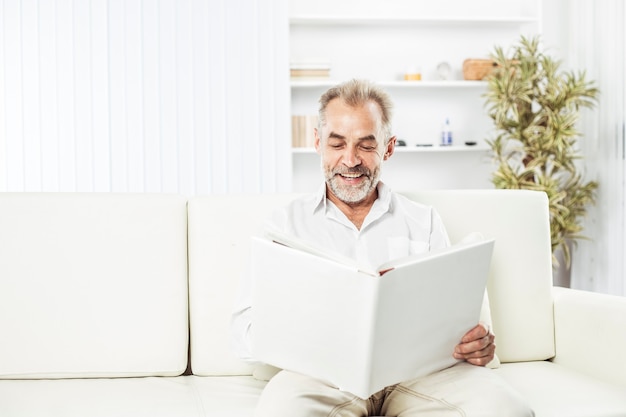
[[181, 96], [598, 45]]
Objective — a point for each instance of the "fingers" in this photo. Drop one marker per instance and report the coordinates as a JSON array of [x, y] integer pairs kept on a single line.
[[479, 331], [480, 357], [478, 346]]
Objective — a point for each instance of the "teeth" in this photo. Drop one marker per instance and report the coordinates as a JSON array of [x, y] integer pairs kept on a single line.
[[351, 175]]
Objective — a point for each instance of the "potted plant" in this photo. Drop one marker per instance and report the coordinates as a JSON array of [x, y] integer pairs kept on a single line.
[[535, 107]]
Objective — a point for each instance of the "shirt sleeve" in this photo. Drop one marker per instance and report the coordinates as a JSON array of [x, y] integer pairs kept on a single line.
[[241, 317]]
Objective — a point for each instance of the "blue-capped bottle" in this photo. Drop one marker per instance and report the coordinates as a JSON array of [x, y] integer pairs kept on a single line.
[[446, 133]]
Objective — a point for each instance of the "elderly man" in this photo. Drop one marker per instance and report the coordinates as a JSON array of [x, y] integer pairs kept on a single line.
[[357, 215]]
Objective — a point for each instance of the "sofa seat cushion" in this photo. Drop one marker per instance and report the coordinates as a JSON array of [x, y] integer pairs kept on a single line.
[[227, 396], [184, 396], [120, 397], [553, 390]]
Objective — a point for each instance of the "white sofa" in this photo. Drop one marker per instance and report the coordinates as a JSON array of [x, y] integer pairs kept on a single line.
[[119, 305]]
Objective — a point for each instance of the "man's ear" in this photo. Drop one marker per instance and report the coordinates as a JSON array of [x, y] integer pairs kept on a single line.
[[389, 148], [317, 142]]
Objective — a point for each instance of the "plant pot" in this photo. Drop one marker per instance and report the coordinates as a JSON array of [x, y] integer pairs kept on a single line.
[[562, 274]]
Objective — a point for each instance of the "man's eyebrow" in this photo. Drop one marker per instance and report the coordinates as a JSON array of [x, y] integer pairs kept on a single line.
[[334, 135]]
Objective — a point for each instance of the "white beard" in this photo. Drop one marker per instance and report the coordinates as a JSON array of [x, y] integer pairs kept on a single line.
[[348, 193]]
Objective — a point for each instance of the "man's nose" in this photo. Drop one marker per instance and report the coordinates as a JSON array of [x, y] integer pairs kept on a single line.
[[351, 157]]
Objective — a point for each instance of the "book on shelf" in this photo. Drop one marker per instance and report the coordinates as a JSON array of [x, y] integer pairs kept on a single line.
[[302, 130], [362, 329], [312, 71]]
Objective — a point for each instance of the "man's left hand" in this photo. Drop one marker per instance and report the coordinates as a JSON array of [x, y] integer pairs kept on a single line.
[[477, 346]]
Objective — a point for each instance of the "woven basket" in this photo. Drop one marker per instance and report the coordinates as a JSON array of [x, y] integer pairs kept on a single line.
[[477, 69]]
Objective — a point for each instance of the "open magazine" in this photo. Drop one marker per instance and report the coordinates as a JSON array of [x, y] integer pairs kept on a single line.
[[362, 330]]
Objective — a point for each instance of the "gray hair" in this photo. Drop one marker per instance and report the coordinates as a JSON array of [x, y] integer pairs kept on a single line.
[[356, 93]]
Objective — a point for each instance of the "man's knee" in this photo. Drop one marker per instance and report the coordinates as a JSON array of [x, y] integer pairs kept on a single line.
[[292, 394]]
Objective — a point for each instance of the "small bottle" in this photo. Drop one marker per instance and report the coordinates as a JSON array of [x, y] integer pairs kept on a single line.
[[446, 133]]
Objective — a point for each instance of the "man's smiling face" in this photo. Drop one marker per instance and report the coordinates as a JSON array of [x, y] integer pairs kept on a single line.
[[352, 149]]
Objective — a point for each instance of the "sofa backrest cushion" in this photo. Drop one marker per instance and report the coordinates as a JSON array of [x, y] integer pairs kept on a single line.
[[220, 228], [520, 282], [92, 285], [519, 285]]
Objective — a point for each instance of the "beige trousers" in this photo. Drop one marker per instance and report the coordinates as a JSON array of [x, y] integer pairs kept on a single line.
[[461, 390]]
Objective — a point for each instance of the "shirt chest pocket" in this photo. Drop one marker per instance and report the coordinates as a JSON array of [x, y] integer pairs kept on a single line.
[[400, 246]]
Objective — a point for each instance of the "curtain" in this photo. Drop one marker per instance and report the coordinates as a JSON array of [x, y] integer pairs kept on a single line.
[[597, 43], [181, 96]]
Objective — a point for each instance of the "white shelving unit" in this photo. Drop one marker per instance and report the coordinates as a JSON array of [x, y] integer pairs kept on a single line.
[[417, 149], [379, 43], [422, 20], [297, 84]]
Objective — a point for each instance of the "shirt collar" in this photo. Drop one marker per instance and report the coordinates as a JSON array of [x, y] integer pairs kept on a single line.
[[384, 197], [320, 198]]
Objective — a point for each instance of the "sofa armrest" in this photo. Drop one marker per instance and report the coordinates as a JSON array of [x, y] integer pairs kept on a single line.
[[590, 333]]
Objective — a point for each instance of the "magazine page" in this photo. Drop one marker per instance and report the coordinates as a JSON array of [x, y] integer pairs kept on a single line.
[[424, 309], [471, 239], [312, 315], [300, 244]]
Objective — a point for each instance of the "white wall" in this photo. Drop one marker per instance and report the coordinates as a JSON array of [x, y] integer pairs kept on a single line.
[[183, 96]]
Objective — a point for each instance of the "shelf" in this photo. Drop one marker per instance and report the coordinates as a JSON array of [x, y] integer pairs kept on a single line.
[[437, 148], [325, 83], [454, 20], [413, 149]]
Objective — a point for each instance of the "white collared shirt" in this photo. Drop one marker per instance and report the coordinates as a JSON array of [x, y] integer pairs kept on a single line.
[[394, 227]]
